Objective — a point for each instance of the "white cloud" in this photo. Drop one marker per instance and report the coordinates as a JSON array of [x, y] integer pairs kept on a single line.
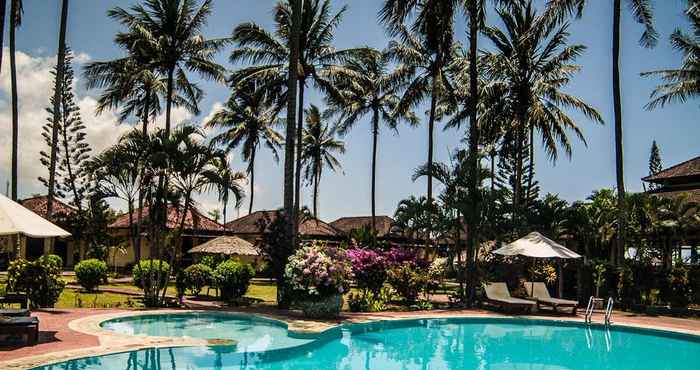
[[35, 86]]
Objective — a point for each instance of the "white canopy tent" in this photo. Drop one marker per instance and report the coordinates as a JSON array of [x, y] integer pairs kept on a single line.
[[536, 245], [15, 219]]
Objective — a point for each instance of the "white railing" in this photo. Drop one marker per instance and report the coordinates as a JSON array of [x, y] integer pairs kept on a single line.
[[589, 310], [608, 311]]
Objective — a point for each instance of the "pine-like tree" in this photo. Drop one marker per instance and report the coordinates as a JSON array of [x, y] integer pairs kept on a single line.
[[655, 164], [505, 183], [72, 180]]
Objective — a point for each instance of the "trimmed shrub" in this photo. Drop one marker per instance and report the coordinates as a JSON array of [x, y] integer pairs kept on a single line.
[[40, 280], [677, 292], [408, 281], [53, 260], [197, 276], [233, 278], [147, 268], [91, 273]]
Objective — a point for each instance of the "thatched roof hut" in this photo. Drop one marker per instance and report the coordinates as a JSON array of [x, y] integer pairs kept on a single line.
[[227, 245]]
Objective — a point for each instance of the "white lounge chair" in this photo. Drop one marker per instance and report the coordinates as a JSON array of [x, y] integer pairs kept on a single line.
[[538, 291], [497, 294]]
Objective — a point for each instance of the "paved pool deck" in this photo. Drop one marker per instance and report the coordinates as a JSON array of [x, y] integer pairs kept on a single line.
[[73, 333]]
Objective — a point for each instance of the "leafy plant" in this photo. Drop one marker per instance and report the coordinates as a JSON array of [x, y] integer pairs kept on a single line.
[[40, 279], [408, 281], [197, 276], [91, 273], [369, 269], [147, 272], [317, 270], [233, 278]]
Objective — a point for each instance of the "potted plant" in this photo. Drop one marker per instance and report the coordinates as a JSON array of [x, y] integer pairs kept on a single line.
[[319, 275]]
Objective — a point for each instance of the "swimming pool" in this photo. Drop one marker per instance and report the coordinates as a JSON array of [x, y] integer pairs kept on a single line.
[[459, 343]]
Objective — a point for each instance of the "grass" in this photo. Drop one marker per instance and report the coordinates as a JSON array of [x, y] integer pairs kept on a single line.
[[72, 298]]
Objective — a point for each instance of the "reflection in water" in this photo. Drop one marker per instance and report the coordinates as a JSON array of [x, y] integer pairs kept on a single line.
[[431, 344]]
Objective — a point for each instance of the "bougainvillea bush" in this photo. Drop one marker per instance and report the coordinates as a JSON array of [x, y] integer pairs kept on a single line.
[[317, 270], [369, 269]]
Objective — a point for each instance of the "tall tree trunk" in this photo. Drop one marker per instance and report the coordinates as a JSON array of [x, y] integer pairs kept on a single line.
[[474, 133], [531, 162], [169, 101], [431, 129], [3, 7], [297, 169], [292, 74], [57, 97], [252, 181], [13, 82], [619, 157], [375, 136], [317, 178], [517, 187], [290, 137], [139, 216]]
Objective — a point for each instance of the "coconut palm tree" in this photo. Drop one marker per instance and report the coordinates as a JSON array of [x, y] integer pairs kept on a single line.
[[248, 118], [372, 88], [15, 22], [170, 34], [227, 181], [680, 84], [320, 144], [268, 53], [60, 62], [536, 63]]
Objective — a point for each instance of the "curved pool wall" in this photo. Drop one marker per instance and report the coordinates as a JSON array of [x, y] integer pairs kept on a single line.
[[452, 343], [251, 333]]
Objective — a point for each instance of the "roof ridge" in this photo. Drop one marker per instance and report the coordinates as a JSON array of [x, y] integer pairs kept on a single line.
[[649, 177]]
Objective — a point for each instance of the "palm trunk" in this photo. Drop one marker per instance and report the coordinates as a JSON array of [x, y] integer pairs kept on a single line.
[[252, 181], [297, 170], [139, 216], [168, 101], [317, 178], [13, 82], [3, 6], [517, 187], [57, 97], [292, 79], [619, 158], [431, 129], [375, 135], [531, 160], [493, 171], [472, 237]]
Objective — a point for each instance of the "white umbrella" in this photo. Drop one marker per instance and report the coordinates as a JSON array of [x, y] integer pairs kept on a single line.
[[536, 245], [15, 219]]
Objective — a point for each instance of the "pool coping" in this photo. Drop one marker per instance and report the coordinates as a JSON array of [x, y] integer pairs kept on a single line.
[[112, 342]]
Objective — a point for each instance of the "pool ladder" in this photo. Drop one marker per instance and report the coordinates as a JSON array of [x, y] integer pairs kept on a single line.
[[591, 308]]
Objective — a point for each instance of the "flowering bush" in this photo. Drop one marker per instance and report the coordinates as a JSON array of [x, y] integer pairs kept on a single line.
[[398, 256], [369, 269], [318, 271]]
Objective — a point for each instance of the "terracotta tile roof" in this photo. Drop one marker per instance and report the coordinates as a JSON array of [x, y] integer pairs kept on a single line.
[[688, 168], [251, 223], [194, 220], [347, 224], [38, 205]]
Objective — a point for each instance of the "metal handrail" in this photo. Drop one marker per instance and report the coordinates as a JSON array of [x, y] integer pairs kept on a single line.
[[608, 311], [589, 310]]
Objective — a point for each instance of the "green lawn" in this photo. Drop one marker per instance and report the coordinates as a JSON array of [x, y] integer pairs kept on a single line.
[[71, 298]]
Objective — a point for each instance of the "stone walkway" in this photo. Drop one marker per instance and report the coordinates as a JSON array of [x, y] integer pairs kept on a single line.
[[65, 333]]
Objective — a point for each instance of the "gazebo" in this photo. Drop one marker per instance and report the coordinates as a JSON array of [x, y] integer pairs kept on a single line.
[[16, 220]]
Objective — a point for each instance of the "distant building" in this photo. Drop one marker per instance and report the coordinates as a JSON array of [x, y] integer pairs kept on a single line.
[[253, 227], [681, 179], [386, 230], [66, 248]]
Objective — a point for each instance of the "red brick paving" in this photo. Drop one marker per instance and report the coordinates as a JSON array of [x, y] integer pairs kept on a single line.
[[54, 333]]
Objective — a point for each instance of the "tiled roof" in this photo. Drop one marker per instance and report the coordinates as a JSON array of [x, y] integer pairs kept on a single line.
[[348, 224], [194, 220], [38, 205], [251, 224], [690, 167]]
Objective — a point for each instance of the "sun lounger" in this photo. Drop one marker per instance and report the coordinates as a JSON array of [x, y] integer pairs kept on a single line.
[[497, 294], [14, 312], [28, 326], [538, 291], [19, 299]]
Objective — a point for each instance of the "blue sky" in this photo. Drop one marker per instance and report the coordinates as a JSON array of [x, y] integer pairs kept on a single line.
[[90, 35]]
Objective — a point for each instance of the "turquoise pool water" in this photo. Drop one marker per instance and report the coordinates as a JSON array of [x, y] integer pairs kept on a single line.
[[253, 334], [435, 344]]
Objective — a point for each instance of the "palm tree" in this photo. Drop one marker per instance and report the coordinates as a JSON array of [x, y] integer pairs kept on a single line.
[[536, 63], [61, 59], [268, 53], [318, 150], [3, 8], [248, 118], [15, 22], [372, 88], [680, 84], [227, 181], [169, 32], [643, 14]]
